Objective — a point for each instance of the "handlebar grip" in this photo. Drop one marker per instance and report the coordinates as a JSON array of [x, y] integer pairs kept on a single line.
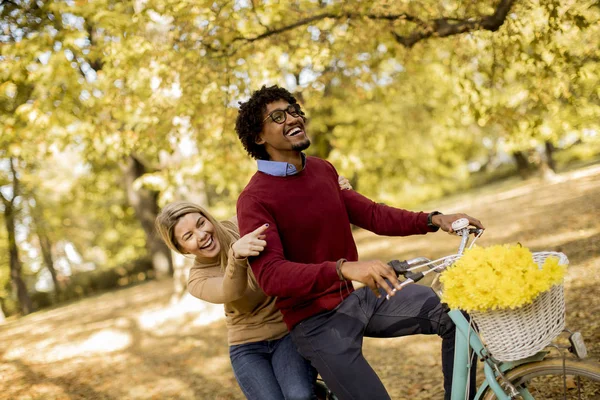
[[400, 267]]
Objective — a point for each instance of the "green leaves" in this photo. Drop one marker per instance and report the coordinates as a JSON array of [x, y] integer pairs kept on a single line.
[[402, 112]]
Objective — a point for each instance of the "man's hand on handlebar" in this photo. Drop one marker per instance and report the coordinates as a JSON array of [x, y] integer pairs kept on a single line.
[[373, 274], [377, 274], [445, 221]]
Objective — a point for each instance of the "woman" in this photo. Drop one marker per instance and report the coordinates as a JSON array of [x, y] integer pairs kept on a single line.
[[264, 360]]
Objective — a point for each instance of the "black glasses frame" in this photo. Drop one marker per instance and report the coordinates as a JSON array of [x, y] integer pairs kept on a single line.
[[279, 117]]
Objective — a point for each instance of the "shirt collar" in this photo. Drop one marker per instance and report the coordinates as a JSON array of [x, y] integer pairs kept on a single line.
[[279, 168]]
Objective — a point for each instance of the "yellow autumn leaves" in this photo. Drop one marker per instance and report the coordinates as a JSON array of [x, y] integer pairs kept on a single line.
[[498, 277]]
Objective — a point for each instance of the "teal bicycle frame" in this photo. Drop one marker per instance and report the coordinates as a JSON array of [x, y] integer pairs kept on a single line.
[[467, 338]]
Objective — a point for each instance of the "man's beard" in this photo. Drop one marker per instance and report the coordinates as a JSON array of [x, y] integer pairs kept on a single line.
[[302, 145]]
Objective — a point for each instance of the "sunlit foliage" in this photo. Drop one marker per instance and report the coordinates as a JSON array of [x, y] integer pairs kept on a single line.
[[406, 98]]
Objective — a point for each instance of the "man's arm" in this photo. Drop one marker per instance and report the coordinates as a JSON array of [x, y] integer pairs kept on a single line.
[[276, 275], [390, 221], [382, 219]]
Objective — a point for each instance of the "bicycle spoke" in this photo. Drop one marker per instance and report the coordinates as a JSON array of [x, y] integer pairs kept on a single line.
[[562, 386]]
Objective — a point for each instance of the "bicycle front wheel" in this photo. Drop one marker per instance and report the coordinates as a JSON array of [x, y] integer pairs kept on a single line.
[[549, 379]]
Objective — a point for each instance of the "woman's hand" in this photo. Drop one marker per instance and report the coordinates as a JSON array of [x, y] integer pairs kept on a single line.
[[250, 244], [344, 183]]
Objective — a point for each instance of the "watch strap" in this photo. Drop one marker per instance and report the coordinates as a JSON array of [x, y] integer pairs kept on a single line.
[[430, 225]]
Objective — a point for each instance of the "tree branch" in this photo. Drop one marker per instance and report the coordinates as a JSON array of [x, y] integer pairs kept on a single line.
[[331, 15], [443, 27], [9, 2], [15, 183], [96, 64], [440, 27]]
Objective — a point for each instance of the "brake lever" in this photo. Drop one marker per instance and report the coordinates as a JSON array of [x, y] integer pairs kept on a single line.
[[399, 267]]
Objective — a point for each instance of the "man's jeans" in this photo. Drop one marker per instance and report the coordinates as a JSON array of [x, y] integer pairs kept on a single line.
[[333, 340], [272, 370]]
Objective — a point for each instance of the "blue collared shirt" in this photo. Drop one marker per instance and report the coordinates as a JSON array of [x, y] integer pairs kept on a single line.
[[279, 168]]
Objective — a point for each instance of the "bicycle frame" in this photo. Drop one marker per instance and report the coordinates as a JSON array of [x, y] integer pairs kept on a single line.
[[467, 338]]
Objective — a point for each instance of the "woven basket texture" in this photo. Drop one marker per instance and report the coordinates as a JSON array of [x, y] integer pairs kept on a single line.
[[515, 334]]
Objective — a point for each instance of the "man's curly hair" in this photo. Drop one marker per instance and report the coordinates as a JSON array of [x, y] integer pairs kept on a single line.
[[249, 122]]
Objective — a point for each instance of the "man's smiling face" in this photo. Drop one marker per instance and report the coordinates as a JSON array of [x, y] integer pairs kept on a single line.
[[283, 140]]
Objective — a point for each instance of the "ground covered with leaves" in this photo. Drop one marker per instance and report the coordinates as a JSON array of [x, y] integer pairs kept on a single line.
[[137, 344]]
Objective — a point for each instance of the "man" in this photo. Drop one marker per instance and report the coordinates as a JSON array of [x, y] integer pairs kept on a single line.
[[311, 258]]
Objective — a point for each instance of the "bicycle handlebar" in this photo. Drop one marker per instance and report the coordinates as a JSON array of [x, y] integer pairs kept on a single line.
[[404, 267]]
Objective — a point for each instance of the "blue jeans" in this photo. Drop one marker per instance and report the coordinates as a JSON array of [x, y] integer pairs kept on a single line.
[[272, 370]]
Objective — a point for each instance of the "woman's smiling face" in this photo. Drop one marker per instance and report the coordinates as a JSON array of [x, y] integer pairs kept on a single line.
[[196, 235]]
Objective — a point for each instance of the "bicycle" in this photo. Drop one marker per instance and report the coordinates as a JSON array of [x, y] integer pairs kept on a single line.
[[539, 376]]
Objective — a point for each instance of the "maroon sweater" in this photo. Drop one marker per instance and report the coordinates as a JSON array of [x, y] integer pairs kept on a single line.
[[309, 219]]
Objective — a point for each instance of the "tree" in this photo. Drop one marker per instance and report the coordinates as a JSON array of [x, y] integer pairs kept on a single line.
[[4, 270], [42, 231], [145, 204], [10, 212], [405, 98], [52, 84], [532, 87]]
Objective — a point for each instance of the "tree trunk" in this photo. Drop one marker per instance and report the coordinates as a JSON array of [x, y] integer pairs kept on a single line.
[[15, 264], [523, 165], [45, 244], [144, 202], [46, 247], [547, 167], [549, 155]]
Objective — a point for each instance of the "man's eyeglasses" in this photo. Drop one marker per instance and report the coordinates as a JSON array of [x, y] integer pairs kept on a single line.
[[279, 117]]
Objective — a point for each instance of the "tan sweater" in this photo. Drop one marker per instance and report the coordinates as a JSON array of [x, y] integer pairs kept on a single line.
[[251, 316]]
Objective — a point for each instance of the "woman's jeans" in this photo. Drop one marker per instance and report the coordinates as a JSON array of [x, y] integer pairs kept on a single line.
[[272, 370]]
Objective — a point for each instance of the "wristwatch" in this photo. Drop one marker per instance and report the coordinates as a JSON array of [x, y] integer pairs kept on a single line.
[[430, 225]]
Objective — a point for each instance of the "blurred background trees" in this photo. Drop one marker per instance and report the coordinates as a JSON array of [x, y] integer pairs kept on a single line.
[[109, 109]]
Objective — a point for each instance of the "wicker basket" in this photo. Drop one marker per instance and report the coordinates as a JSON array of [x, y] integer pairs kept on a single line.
[[515, 334]]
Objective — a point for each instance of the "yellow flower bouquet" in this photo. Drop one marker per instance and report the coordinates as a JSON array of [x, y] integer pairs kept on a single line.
[[498, 277]]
